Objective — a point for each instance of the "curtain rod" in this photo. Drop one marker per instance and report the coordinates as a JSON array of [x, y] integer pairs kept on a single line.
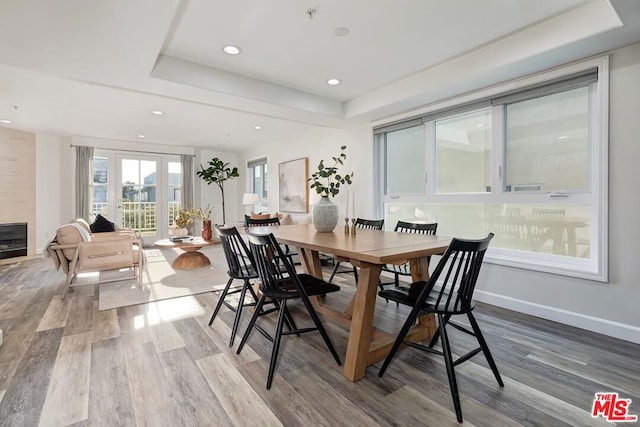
[[133, 151]]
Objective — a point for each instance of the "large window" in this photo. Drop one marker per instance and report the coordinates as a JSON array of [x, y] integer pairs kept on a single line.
[[258, 173], [527, 164]]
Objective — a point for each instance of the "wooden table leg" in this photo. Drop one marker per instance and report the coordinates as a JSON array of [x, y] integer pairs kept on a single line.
[[311, 265], [420, 271], [364, 303]]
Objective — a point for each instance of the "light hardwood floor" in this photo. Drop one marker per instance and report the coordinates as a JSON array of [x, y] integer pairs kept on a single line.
[[159, 364]]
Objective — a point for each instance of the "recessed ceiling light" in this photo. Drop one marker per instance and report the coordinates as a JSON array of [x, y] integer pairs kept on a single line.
[[157, 112], [5, 121], [232, 50], [563, 137], [334, 82], [341, 31], [141, 136], [257, 127]]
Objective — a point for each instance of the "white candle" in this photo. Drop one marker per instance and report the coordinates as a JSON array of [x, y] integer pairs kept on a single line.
[[353, 205], [346, 210]]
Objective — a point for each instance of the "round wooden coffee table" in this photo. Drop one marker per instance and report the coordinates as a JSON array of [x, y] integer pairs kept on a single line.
[[191, 258]]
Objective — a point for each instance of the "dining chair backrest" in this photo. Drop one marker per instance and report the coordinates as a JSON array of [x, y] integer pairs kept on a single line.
[[250, 222], [547, 212], [410, 227], [370, 224], [239, 258], [273, 266], [456, 274]]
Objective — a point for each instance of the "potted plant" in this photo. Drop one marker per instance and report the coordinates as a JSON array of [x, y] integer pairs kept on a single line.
[[182, 220], [328, 182], [217, 173]]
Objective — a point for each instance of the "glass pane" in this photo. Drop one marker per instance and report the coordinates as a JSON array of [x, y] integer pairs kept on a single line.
[[549, 229], [130, 192], [148, 171], [148, 194], [130, 171], [99, 170], [404, 161], [463, 153], [100, 205], [148, 216], [99, 194], [547, 143]]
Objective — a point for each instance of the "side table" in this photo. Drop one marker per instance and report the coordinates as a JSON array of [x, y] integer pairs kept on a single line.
[[191, 258]]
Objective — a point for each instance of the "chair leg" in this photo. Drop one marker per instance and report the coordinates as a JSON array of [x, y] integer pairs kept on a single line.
[[436, 334], [291, 324], [485, 348], [399, 339], [323, 332], [355, 274], [288, 319], [448, 361], [236, 321], [334, 271], [276, 342], [252, 322], [220, 301]]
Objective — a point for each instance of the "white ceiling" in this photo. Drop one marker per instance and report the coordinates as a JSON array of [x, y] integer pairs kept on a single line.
[[97, 69]]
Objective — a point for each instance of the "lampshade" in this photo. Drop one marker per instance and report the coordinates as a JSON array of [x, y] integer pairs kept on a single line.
[[250, 199]]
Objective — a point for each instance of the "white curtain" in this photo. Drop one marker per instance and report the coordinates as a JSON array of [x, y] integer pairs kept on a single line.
[[84, 179], [186, 200]]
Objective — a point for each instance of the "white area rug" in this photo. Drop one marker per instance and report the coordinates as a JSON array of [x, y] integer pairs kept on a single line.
[[161, 282]]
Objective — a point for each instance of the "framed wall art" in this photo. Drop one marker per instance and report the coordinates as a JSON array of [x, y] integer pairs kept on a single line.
[[293, 191]]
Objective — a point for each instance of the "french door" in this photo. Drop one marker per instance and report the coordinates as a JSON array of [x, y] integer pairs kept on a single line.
[[140, 198]]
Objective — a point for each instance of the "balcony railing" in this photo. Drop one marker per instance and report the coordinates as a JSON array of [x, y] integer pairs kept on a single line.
[[138, 215]]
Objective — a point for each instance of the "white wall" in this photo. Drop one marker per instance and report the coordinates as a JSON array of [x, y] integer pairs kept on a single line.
[[54, 200], [609, 308], [318, 144]]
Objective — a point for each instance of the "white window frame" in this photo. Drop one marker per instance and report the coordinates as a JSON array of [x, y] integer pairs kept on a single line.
[[594, 268]]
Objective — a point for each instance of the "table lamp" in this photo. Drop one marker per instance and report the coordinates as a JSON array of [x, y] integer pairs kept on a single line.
[[250, 199]]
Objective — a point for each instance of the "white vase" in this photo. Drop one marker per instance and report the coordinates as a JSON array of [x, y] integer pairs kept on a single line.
[[179, 232], [325, 215]]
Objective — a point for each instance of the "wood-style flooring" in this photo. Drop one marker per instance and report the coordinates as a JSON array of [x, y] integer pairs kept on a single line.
[[159, 364]]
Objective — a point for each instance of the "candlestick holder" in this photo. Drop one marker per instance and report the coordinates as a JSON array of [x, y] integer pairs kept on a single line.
[[346, 226], [353, 226]]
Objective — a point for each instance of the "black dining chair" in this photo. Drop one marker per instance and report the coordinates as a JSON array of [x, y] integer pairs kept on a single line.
[[241, 267], [281, 287], [362, 224], [405, 269], [271, 222], [455, 276]]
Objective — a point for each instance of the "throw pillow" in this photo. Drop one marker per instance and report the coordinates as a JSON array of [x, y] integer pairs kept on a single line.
[[286, 220], [260, 216], [102, 225]]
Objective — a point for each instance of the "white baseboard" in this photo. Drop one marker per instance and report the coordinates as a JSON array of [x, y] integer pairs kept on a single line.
[[594, 324]]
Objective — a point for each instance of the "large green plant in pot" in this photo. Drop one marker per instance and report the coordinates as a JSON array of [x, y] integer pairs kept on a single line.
[[217, 173], [327, 181]]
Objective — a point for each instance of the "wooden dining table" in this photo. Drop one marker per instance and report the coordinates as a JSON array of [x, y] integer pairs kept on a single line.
[[369, 250]]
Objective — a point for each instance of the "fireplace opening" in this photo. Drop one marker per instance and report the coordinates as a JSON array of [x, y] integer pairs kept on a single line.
[[13, 240]]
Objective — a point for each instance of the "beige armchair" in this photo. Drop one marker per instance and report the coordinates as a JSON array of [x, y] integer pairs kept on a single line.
[[76, 250]]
